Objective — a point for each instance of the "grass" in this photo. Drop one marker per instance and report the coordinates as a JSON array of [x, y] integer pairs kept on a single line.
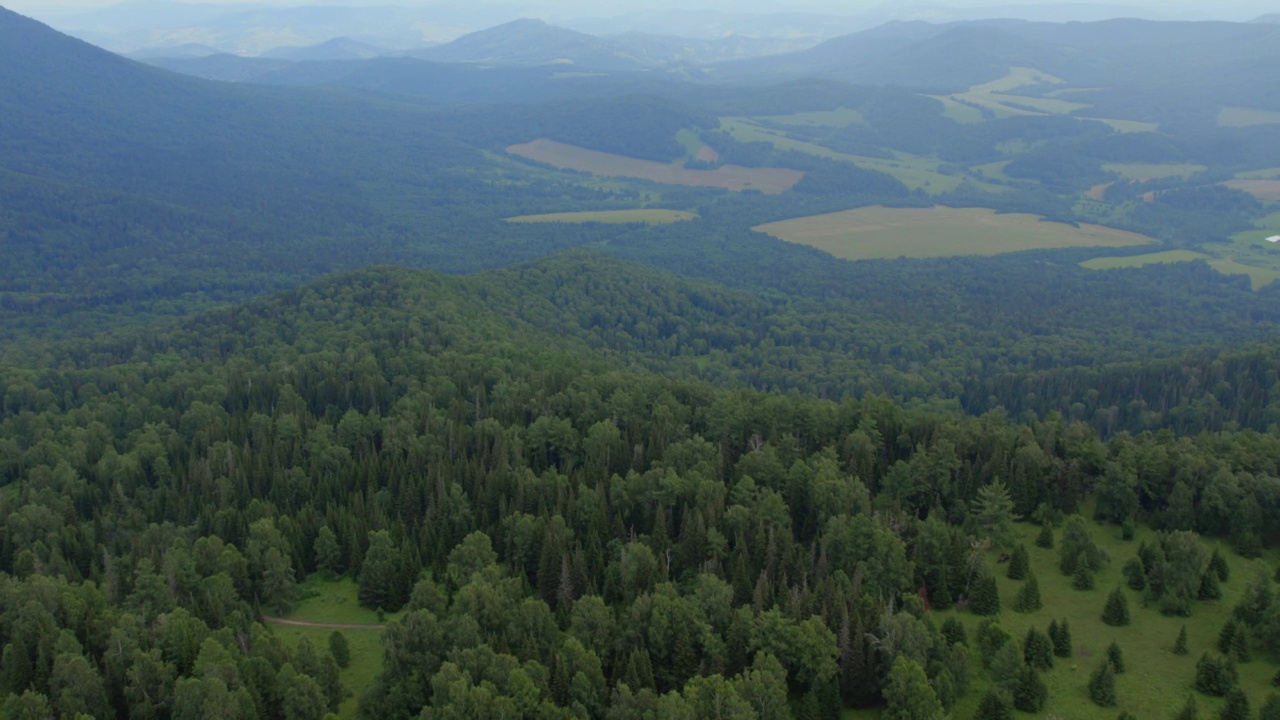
[[1265, 174], [879, 232], [914, 171], [335, 601], [958, 111], [1134, 261], [1053, 106], [1267, 226], [1264, 190], [1146, 171], [614, 217], [1016, 78], [770, 181], [1128, 126], [1246, 117], [1259, 277]]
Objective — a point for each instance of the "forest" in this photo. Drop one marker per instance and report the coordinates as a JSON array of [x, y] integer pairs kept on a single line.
[[262, 343]]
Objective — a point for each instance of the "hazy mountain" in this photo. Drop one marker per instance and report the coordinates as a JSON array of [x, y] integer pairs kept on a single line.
[[1273, 19], [253, 30], [712, 24], [188, 50], [533, 42], [341, 48]]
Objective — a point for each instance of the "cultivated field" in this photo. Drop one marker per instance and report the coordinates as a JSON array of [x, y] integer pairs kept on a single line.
[[613, 217], [879, 232], [841, 117], [1245, 117], [1260, 264], [1264, 190], [771, 181]]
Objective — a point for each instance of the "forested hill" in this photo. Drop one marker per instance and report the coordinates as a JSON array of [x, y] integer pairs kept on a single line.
[[561, 533], [960, 342]]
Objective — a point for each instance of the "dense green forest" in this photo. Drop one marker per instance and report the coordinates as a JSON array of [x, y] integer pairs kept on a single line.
[[258, 341]]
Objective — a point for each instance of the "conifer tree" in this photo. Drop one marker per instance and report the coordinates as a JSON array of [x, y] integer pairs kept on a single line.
[[953, 631], [1180, 645], [1218, 566], [1116, 611], [994, 706], [1082, 578], [1102, 685], [985, 597], [1135, 575], [1116, 657], [1270, 709], [1029, 690], [1189, 711], [1028, 597], [1037, 650], [1227, 636], [1209, 587], [1019, 563], [1236, 706], [1062, 643], [1214, 675], [1045, 538]]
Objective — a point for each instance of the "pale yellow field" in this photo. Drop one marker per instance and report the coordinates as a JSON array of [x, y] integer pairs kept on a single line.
[[1264, 190], [613, 217], [770, 181], [1134, 261], [880, 232]]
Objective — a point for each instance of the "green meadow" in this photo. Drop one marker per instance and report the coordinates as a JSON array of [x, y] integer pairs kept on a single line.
[[613, 217]]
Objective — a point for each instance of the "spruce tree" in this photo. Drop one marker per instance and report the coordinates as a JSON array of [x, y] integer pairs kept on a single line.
[[953, 631], [1215, 676], [1037, 650], [1180, 645], [1189, 711], [1240, 644], [1102, 685], [985, 597], [1134, 574], [1116, 611], [1045, 538], [1019, 563], [1270, 709], [1082, 578], [1218, 566], [1062, 643], [1236, 706], [1029, 690], [1227, 636], [1028, 597], [994, 706], [1209, 587], [1275, 679], [1115, 657]]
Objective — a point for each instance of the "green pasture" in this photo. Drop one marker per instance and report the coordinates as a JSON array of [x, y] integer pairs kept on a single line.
[[1265, 174], [1246, 117], [614, 217], [879, 232], [913, 171], [1266, 227], [1127, 126], [1134, 261], [1151, 171], [1259, 277], [958, 111], [1017, 77]]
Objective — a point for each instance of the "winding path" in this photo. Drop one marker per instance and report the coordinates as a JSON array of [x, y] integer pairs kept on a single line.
[[324, 626]]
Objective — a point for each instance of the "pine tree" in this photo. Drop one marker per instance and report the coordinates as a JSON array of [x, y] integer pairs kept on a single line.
[[1037, 650], [1135, 575], [985, 597], [1062, 643], [1028, 597], [1226, 637], [1215, 676], [1045, 538], [1275, 679], [1189, 711], [994, 706], [1209, 587], [1029, 690], [1019, 563], [1102, 685], [1116, 612], [1236, 706], [1180, 645], [1240, 645], [1115, 657]]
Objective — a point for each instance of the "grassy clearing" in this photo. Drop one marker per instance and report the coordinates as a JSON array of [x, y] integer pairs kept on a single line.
[[1053, 106], [1259, 277], [1264, 190], [771, 181], [1141, 172], [1017, 77], [1134, 261], [998, 109], [1265, 174], [879, 232], [1127, 126], [838, 118], [913, 171], [613, 217], [1157, 682], [1267, 227], [958, 111], [1246, 117], [992, 171], [336, 601]]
